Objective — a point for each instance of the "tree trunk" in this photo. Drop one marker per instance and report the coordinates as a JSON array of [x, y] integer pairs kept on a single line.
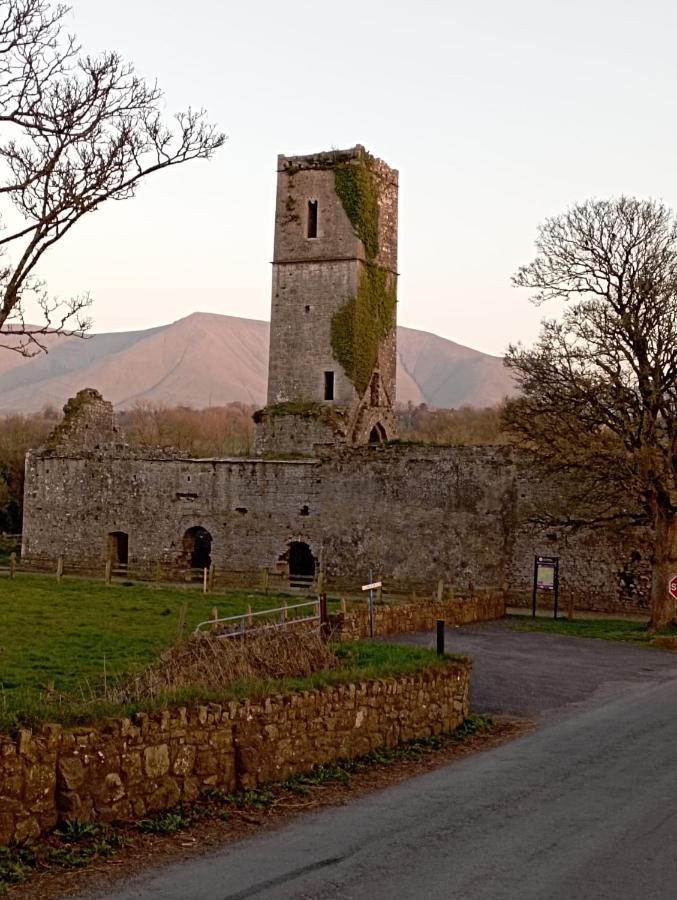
[[664, 570]]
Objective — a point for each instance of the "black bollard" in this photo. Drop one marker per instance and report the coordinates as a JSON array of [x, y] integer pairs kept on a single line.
[[440, 637]]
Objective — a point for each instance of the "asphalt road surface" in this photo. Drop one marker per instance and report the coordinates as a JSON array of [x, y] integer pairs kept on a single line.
[[585, 806]]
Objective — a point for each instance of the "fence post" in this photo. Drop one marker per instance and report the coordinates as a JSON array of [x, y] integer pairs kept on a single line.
[[12, 565], [440, 590], [264, 580], [205, 579], [283, 613], [212, 576], [440, 637], [215, 616], [59, 568], [109, 571], [324, 617], [182, 621], [344, 606], [250, 618]]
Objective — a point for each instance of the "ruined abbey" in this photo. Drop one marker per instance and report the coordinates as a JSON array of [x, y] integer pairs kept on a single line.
[[329, 490]]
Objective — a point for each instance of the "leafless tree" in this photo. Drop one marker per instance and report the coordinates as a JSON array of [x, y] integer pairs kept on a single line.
[[599, 389], [75, 131]]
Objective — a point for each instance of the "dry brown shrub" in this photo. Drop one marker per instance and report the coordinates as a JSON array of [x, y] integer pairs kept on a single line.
[[208, 662]]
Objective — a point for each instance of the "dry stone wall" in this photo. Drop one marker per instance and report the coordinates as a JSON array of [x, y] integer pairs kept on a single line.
[[130, 768], [420, 615]]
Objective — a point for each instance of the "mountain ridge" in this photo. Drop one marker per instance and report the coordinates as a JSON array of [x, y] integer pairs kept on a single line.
[[207, 359]]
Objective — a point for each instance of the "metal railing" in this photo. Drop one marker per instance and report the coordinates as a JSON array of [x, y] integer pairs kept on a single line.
[[234, 626]]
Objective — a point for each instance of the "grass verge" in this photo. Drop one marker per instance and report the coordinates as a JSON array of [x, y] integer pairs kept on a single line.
[[75, 845], [360, 661], [602, 629]]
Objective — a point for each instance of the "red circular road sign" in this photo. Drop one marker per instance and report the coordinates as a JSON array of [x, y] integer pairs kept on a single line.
[[672, 587]]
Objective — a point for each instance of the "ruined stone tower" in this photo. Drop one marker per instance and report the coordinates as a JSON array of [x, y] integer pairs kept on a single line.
[[331, 377]]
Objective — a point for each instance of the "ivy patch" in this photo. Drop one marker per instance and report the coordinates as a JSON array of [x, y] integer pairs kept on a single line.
[[360, 325]]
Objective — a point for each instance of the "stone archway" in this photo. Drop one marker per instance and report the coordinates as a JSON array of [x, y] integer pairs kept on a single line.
[[197, 547], [377, 435], [301, 564]]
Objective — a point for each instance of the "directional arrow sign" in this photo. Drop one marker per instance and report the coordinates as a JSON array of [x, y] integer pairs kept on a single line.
[[378, 584], [672, 587]]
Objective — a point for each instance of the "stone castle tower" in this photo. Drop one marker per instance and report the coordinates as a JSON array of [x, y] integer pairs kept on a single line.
[[331, 377]]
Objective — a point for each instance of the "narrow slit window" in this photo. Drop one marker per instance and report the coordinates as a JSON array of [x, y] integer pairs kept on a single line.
[[328, 385], [312, 218]]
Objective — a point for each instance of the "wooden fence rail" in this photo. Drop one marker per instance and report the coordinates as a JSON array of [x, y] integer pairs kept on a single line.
[[259, 581]]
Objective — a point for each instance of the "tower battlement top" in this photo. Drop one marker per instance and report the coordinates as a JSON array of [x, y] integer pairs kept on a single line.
[[327, 159]]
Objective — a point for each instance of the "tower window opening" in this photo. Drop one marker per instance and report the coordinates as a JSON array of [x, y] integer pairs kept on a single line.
[[312, 218], [328, 385]]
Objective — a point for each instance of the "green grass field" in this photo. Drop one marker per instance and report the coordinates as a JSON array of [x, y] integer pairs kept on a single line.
[[603, 629], [56, 638], [61, 632]]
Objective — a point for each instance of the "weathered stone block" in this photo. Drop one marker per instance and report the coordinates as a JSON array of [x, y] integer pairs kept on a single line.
[[184, 760], [26, 829], [70, 772], [156, 760]]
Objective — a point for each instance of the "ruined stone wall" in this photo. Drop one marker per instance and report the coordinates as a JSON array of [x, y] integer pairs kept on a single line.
[[293, 435], [127, 769], [409, 514], [602, 571]]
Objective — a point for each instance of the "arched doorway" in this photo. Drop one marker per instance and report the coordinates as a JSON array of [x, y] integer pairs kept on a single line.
[[377, 435], [118, 548], [301, 564], [197, 547]]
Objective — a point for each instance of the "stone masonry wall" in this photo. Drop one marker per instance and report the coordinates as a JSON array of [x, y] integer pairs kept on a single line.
[[127, 769], [292, 434], [422, 615], [313, 277], [409, 514]]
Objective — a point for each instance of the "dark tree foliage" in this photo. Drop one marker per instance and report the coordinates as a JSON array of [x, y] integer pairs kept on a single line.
[[77, 130], [599, 389]]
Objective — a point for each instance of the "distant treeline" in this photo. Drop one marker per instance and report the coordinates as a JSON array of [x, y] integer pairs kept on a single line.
[[450, 426], [216, 431]]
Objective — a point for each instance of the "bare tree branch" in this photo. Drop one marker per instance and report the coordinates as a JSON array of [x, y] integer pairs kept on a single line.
[[77, 131], [599, 389]]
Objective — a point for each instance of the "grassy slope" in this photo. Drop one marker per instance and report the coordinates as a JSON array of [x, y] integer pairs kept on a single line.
[[62, 632]]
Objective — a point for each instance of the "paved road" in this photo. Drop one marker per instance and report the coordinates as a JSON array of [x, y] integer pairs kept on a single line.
[[583, 807]]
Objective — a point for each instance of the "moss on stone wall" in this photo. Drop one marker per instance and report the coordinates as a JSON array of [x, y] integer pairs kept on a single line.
[[305, 409], [360, 325], [357, 188]]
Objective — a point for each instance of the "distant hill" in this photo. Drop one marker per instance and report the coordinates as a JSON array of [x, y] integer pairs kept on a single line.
[[208, 359]]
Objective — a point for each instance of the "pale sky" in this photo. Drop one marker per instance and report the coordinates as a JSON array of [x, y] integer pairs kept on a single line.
[[497, 114]]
